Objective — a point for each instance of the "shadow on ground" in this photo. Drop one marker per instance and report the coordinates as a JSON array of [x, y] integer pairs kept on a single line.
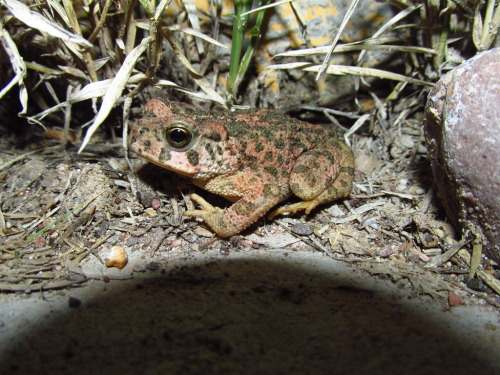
[[241, 317]]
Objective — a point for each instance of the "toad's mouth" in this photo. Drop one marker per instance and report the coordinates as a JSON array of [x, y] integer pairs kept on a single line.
[[158, 162]]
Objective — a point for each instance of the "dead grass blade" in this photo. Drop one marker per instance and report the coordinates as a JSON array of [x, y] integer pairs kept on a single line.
[[3, 224], [13, 161], [35, 20], [475, 260], [102, 20], [78, 208], [189, 31], [195, 94], [115, 89], [393, 21], [264, 7], [492, 282], [342, 26], [18, 66], [485, 31], [194, 20], [200, 80], [358, 46], [350, 70], [91, 91]]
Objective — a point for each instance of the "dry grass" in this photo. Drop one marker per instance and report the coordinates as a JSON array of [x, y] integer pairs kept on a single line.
[[105, 52]]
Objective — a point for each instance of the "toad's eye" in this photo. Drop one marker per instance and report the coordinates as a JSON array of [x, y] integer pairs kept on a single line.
[[178, 136]]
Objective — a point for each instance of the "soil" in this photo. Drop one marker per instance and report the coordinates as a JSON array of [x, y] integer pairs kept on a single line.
[[378, 282], [375, 281]]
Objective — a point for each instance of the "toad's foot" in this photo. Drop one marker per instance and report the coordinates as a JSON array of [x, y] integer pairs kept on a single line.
[[210, 214], [206, 213], [308, 206], [230, 221], [207, 207]]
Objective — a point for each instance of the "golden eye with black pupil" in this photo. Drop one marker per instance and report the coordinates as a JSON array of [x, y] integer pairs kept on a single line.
[[178, 136]]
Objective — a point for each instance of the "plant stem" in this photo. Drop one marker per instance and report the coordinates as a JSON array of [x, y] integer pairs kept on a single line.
[[239, 27]]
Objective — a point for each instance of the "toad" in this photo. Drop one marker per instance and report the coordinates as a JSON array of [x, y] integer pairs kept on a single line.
[[254, 158]]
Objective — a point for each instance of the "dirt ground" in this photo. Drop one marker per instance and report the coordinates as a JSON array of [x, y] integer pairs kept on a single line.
[[375, 281], [378, 282], [263, 311]]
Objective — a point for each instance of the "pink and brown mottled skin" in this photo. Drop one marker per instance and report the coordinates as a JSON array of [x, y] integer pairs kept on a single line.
[[254, 158]]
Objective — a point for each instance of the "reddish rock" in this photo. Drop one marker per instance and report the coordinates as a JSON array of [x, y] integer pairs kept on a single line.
[[462, 126], [454, 300]]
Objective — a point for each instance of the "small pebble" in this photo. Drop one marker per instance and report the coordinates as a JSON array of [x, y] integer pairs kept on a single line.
[[117, 257], [477, 285], [151, 212], [302, 229], [200, 231], [454, 300], [77, 277], [414, 258], [385, 251], [156, 203]]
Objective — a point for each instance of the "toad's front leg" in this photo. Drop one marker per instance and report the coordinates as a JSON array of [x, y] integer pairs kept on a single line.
[[251, 202]]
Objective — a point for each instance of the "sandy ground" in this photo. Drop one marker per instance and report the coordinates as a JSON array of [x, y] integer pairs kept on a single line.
[[253, 312], [175, 309]]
